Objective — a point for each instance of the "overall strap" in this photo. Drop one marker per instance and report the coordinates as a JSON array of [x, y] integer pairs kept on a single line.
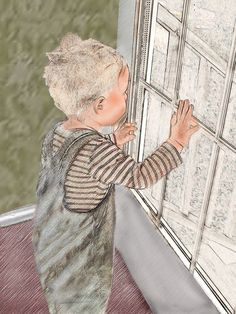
[[68, 151], [49, 156], [46, 149], [55, 166]]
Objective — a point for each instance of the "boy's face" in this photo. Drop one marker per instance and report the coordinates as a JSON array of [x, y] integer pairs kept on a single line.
[[114, 106]]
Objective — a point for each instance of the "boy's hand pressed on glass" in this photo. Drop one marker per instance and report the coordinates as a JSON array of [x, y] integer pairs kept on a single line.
[[125, 134], [183, 125], [109, 165]]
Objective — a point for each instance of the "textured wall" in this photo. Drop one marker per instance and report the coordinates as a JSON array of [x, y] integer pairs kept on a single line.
[[28, 30]]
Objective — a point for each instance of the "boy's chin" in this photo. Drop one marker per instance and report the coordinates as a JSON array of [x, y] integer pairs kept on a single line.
[[117, 122]]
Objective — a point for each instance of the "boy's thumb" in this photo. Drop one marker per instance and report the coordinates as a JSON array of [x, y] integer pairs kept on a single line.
[[173, 118], [194, 129], [131, 137]]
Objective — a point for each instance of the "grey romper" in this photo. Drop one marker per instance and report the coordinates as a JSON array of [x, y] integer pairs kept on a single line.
[[73, 252], [74, 244]]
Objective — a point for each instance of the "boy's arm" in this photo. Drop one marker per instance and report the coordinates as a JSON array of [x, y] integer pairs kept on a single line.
[[110, 164]]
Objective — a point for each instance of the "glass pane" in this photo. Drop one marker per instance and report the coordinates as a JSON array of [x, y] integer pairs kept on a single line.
[[213, 23], [202, 84], [175, 7], [185, 189], [158, 123], [157, 127], [164, 52], [217, 254], [229, 132]]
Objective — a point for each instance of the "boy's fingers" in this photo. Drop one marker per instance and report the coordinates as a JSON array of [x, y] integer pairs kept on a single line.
[[125, 125], [131, 132], [131, 127], [179, 109], [131, 137], [173, 119], [194, 129], [186, 108], [193, 123], [190, 110], [193, 119]]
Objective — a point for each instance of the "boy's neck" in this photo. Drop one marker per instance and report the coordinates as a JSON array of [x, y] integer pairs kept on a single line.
[[73, 122]]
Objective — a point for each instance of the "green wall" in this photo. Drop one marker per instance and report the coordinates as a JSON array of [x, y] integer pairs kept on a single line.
[[29, 28]]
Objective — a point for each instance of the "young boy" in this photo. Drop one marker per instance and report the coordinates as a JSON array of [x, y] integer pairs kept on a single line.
[[74, 221]]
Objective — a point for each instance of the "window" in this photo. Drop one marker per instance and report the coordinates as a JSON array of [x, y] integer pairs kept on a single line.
[[186, 49]]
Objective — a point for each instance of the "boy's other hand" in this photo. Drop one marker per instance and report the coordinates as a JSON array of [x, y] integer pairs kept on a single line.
[[183, 123], [125, 134]]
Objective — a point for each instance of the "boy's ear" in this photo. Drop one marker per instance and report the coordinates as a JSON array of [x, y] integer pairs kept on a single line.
[[98, 104]]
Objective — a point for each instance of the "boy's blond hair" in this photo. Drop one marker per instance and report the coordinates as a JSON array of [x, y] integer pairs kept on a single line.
[[79, 71]]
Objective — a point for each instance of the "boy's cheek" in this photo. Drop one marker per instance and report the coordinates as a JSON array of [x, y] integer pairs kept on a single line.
[[114, 99]]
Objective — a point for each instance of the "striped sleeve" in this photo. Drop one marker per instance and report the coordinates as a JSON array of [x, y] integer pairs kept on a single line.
[[109, 164], [110, 136]]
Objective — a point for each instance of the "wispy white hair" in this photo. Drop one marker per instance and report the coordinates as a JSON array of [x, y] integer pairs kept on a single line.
[[79, 71]]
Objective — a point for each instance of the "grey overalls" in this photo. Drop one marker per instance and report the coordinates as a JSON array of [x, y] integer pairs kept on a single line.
[[73, 251]]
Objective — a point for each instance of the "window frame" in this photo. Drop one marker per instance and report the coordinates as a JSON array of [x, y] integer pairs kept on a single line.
[[141, 55]]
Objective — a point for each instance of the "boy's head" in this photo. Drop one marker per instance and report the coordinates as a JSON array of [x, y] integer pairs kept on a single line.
[[111, 107], [82, 73]]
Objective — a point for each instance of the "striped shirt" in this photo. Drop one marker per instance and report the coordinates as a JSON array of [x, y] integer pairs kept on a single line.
[[101, 162]]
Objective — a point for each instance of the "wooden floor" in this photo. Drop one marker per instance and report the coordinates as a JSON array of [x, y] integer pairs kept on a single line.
[[20, 290]]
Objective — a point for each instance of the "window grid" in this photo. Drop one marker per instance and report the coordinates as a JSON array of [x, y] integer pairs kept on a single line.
[[215, 137]]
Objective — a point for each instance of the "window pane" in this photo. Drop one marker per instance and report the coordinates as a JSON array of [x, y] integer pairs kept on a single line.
[[163, 52], [213, 22], [229, 132], [185, 189], [175, 7], [203, 85], [156, 124], [202, 72], [218, 249]]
